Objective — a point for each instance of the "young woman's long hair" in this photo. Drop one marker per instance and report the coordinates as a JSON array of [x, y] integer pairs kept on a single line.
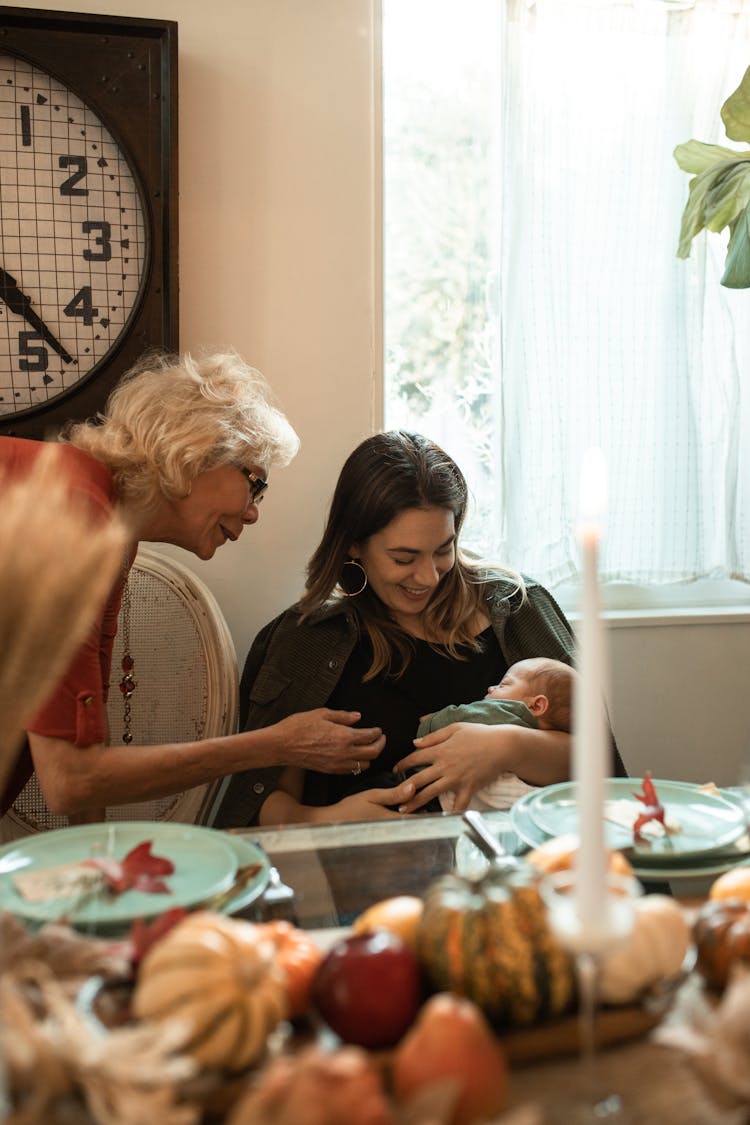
[[387, 474]]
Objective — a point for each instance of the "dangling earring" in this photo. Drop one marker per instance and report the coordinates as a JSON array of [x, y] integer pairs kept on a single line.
[[353, 594]]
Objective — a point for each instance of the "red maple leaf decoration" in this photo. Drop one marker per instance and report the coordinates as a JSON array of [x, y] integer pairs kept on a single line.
[[145, 934], [138, 871], [654, 809]]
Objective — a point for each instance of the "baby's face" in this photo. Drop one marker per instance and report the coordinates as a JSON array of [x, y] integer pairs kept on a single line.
[[514, 685]]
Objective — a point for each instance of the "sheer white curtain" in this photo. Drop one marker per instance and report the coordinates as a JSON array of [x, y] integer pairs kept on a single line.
[[592, 331]]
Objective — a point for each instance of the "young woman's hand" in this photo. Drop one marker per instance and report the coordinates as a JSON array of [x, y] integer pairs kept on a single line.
[[328, 741], [462, 757], [372, 804]]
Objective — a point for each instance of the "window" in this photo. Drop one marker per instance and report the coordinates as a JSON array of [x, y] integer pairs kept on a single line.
[[534, 303]]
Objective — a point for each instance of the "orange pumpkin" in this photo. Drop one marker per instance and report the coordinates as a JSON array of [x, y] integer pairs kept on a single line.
[[401, 915], [559, 854], [734, 884], [298, 955], [721, 933]]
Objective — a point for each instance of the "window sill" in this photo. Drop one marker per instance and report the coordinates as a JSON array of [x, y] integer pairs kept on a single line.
[[696, 603], [653, 618]]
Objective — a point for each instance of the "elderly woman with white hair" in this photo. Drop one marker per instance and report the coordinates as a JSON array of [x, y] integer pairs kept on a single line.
[[182, 453]]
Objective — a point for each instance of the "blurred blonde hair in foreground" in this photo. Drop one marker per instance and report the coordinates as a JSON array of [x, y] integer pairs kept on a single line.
[[58, 563]]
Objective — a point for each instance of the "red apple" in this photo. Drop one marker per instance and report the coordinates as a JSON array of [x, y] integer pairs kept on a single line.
[[367, 988]]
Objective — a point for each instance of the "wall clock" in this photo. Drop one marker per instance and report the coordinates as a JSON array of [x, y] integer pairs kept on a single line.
[[88, 209]]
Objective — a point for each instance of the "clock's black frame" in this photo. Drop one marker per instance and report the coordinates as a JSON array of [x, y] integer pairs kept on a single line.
[[126, 70]]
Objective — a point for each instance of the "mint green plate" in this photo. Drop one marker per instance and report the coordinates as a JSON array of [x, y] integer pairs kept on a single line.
[[205, 863], [246, 852], [708, 822], [715, 863]]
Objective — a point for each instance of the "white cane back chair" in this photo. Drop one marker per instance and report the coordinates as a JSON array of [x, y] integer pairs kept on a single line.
[[187, 688]]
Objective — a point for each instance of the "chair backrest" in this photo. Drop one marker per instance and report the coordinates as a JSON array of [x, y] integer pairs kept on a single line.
[[187, 688]]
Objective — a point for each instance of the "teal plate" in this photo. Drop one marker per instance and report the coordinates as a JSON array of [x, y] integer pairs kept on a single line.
[[711, 865], [205, 864], [247, 852], [708, 822], [524, 824]]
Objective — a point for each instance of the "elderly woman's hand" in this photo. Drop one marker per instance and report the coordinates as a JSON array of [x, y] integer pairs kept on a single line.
[[462, 757], [328, 741]]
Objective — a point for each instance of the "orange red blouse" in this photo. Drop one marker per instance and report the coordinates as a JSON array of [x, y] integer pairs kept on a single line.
[[76, 710]]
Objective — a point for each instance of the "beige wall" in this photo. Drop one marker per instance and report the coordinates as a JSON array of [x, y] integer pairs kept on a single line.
[[680, 695], [276, 246], [278, 249]]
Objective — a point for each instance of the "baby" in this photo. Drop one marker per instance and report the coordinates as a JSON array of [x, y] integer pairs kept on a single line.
[[533, 693]]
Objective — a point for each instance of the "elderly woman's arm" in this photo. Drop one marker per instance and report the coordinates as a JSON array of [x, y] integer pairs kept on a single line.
[[76, 779], [464, 757]]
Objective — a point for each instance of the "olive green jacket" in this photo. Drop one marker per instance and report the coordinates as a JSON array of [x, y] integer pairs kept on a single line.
[[294, 666]]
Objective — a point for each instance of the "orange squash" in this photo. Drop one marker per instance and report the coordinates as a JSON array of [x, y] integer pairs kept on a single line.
[[400, 914], [733, 884], [559, 854], [298, 955]]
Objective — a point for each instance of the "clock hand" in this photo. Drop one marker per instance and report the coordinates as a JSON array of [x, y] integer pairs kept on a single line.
[[20, 304]]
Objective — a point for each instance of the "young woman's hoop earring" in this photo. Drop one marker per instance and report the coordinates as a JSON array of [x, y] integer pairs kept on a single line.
[[353, 593]]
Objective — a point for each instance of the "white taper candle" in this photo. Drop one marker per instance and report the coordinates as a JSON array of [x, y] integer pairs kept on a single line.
[[590, 728]]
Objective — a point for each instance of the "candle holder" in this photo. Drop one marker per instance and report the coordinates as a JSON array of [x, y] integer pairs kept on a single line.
[[588, 941]]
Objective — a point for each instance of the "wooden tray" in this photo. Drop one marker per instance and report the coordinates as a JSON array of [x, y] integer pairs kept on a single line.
[[556, 1039], [561, 1037]]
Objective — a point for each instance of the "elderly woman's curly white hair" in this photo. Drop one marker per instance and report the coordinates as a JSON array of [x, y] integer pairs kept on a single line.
[[172, 418]]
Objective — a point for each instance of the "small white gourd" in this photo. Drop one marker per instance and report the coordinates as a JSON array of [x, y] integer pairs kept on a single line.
[[654, 951], [219, 977]]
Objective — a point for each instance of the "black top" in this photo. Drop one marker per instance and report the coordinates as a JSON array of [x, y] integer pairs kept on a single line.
[[432, 680]]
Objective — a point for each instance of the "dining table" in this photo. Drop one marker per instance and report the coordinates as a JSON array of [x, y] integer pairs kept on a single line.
[[322, 877], [325, 875]]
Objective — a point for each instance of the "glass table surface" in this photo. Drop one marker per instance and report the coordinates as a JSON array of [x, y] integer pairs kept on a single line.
[[338, 870]]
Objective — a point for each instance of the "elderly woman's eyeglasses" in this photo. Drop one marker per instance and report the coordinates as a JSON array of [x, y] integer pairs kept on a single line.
[[257, 486]]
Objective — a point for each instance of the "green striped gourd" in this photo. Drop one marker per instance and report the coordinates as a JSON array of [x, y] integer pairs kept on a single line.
[[488, 939]]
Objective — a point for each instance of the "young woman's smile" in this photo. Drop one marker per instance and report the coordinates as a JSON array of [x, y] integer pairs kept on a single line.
[[407, 560]]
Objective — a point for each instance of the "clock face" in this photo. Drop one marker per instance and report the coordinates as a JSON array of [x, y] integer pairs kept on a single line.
[[73, 239]]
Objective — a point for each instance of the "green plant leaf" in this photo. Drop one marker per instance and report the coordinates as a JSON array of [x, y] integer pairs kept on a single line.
[[716, 198], [728, 195], [737, 266], [697, 156], [719, 194], [692, 217], [735, 113]]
